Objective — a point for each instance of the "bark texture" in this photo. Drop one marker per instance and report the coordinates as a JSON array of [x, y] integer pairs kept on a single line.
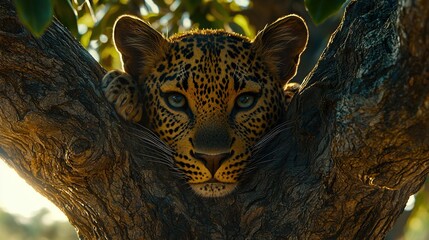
[[356, 148]]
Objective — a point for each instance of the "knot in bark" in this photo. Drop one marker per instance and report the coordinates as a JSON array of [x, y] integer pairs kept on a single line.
[[82, 156]]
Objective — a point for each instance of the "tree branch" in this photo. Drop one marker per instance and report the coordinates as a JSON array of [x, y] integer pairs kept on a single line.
[[356, 148]]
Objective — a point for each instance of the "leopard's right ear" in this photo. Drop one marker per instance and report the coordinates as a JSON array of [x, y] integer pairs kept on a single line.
[[140, 45]]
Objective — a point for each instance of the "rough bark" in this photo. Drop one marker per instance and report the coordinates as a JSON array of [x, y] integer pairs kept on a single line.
[[356, 148]]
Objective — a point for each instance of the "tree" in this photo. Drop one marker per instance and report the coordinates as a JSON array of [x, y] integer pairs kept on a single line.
[[356, 146]]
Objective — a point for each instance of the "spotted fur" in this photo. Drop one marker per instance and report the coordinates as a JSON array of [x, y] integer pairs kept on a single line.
[[212, 135]]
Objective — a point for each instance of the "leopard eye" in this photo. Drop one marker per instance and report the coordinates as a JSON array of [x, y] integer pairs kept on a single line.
[[176, 100], [245, 101]]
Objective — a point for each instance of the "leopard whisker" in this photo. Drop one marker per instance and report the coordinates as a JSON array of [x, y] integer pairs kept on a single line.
[[161, 153], [184, 184], [273, 133], [146, 135], [146, 130], [156, 148], [252, 167], [264, 161], [152, 140], [255, 161], [159, 158], [171, 167], [159, 162], [268, 154], [258, 160]]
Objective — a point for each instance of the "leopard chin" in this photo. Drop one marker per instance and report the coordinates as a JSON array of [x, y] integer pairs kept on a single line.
[[213, 189]]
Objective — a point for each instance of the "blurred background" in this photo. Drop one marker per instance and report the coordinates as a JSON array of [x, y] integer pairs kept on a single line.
[[25, 214]]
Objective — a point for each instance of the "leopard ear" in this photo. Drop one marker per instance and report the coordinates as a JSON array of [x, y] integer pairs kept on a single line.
[[140, 45], [280, 45]]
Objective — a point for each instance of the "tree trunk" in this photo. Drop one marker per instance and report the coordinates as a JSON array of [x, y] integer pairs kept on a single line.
[[356, 148]]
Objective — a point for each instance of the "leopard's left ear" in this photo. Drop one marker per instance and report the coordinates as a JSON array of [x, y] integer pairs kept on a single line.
[[280, 45]]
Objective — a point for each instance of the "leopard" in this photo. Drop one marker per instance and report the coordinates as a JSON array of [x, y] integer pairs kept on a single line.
[[210, 95]]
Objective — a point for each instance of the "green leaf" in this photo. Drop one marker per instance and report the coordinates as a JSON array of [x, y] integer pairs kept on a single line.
[[193, 5], [66, 14], [241, 25], [108, 20], [320, 10], [219, 12], [36, 15]]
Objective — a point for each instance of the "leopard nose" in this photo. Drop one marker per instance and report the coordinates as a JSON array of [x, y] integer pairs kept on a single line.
[[212, 162]]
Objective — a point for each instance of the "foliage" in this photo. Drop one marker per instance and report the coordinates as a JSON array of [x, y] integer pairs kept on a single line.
[[36, 15], [320, 10], [95, 20], [15, 228], [91, 21], [416, 227]]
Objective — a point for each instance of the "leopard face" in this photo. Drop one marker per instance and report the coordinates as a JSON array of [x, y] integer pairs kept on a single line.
[[210, 95]]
